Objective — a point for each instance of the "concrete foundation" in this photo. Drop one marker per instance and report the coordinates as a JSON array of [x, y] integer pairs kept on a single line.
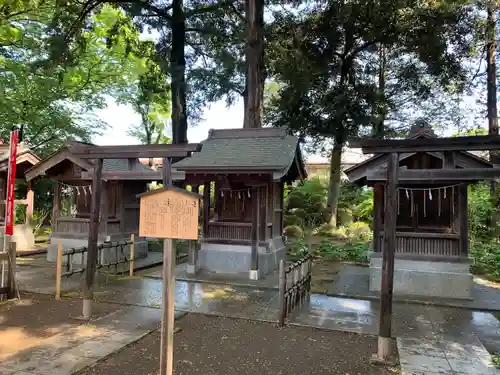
[[106, 255], [425, 278], [23, 237], [222, 258]]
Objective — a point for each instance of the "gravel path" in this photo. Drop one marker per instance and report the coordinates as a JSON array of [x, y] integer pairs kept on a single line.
[[214, 345]]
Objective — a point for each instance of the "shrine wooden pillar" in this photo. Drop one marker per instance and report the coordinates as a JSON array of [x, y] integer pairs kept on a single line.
[[92, 251], [103, 222], [206, 208], [384, 350], [30, 200], [192, 265], [56, 205], [378, 201], [254, 267], [464, 220], [282, 205], [3, 196]]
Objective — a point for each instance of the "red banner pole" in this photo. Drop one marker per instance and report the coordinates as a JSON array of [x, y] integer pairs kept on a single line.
[[11, 185]]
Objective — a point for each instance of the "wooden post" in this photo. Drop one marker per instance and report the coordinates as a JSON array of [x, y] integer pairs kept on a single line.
[[103, 221], [206, 208], [11, 280], [92, 250], [378, 201], [192, 257], [464, 220], [55, 205], [132, 254], [281, 293], [167, 317], [59, 269], [388, 251], [30, 198], [254, 269]]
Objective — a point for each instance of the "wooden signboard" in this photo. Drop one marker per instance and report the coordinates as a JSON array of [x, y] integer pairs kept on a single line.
[[169, 213]]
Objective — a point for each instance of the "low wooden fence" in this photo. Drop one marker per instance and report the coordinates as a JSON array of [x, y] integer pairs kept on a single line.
[[294, 286], [9, 290], [119, 257]]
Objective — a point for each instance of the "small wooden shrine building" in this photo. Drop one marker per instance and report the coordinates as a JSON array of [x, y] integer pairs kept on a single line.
[[122, 180], [431, 252], [23, 233], [245, 170]]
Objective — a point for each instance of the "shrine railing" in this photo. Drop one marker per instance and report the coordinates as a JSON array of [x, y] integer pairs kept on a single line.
[[221, 230], [294, 286], [425, 244], [115, 256]]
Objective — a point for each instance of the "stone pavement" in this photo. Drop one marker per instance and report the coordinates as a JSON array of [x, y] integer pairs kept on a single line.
[[440, 356], [84, 345], [36, 275], [431, 340], [270, 281]]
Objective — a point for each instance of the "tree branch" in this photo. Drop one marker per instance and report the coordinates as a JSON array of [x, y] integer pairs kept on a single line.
[[209, 8]]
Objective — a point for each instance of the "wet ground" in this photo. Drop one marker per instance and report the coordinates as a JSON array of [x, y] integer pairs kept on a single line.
[[353, 282], [409, 320], [217, 345]]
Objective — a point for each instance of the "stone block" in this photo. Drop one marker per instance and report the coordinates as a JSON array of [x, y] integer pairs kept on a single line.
[[426, 278], [223, 258]]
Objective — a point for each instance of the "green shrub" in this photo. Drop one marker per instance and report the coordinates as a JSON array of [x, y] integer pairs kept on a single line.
[[480, 212], [327, 230], [297, 249], [306, 204], [348, 252], [359, 232], [486, 256], [294, 231]]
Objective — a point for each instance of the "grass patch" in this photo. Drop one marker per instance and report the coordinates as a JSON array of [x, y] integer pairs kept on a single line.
[[495, 360]]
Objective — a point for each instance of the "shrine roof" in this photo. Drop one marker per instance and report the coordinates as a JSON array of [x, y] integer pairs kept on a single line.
[[463, 159], [261, 150], [120, 167]]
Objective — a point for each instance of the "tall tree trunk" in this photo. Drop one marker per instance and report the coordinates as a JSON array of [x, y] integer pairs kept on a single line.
[[491, 74], [334, 183], [254, 55], [492, 102], [178, 73], [380, 105]]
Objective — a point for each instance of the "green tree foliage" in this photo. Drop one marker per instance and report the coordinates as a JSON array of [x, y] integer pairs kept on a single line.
[[57, 100], [149, 96], [177, 25], [324, 59]]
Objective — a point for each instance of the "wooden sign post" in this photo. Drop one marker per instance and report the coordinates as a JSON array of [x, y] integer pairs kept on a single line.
[[168, 213]]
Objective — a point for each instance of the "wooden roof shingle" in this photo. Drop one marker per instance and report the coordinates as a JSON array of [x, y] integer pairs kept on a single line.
[[262, 149]]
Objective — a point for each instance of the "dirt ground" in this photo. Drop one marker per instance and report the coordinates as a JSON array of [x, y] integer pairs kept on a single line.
[[223, 346], [25, 323]]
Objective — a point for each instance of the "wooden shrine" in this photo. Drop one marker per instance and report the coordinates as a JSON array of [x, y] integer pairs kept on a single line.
[[244, 170], [431, 238], [409, 273], [122, 180]]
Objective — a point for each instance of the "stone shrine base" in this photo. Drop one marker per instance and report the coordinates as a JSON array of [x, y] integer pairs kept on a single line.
[[233, 259], [426, 278]]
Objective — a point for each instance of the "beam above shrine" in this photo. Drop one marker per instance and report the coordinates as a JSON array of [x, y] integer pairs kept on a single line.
[[430, 176], [469, 143], [133, 151]]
